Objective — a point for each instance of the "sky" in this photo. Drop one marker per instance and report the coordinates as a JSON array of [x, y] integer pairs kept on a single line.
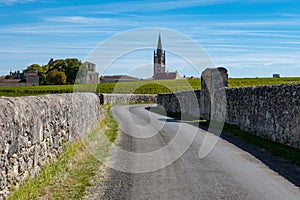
[[251, 38]]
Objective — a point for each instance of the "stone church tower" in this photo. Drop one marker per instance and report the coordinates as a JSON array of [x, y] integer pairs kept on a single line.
[[159, 59]]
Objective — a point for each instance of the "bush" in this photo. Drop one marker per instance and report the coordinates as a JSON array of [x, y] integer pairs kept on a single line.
[[56, 77]]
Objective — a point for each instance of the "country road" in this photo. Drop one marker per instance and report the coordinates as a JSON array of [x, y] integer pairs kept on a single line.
[[165, 164]]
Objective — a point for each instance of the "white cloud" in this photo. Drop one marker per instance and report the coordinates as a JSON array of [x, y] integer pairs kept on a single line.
[[163, 5], [79, 19], [12, 2], [262, 23], [290, 15], [262, 33], [70, 25], [238, 42], [261, 60], [137, 6], [294, 42]]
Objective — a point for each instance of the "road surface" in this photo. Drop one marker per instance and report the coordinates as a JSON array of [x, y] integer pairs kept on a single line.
[[227, 172]]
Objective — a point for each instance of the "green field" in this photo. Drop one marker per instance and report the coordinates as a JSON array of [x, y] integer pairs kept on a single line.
[[242, 82], [140, 87]]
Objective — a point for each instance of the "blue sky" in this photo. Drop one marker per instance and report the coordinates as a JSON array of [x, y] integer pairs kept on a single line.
[[251, 38]]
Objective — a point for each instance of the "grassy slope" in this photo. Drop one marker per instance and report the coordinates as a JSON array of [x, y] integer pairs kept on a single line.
[[140, 87], [70, 175]]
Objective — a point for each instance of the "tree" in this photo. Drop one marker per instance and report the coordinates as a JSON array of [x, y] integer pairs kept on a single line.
[[35, 67], [74, 66], [8, 77], [55, 77], [70, 67], [60, 65]]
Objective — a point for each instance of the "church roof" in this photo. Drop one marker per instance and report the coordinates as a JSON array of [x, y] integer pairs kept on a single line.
[[87, 62]]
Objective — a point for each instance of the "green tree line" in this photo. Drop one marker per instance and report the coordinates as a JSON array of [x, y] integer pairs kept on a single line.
[[59, 72]]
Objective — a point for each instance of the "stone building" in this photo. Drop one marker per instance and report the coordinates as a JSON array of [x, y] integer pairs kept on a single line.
[[92, 76], [31, 78], [25, 78], [17, 75], [166, 75], [159, 65]]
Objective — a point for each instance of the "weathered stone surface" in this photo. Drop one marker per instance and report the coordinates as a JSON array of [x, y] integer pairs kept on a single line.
[[186, 102], [271, 112], [33, 130], [213, 84], [127, 98]]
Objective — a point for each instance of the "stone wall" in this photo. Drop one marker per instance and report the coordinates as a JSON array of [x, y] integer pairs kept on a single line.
[[127, 98], [271, 112], [11, 84], [186, 102], [33, 130]]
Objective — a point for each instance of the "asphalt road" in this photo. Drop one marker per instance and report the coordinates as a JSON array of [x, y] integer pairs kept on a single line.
[[164, 163]]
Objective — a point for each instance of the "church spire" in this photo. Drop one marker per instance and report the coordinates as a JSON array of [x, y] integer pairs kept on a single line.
[[159, 46], [159, 58]]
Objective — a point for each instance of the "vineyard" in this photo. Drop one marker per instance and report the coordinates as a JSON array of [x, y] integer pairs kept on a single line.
[[139, 87], [243, 82]]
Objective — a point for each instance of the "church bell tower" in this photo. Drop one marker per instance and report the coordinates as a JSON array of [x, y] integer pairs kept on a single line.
[[159, 59]]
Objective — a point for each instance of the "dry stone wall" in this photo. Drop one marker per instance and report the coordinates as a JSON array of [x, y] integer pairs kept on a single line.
[[33, 130], [186, 102], [127, 98], [271, 112]]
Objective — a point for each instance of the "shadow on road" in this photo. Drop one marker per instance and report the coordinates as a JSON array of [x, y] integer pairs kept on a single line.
[[283, 167]]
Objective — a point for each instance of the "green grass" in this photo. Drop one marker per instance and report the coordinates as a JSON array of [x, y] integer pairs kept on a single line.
[[71, 174], [139, 87], [242, 82], [109, 124], [149, 87], [275, 149], [39, 90]]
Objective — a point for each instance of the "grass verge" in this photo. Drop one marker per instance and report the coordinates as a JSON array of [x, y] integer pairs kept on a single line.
[[71, 174], [275, 149]]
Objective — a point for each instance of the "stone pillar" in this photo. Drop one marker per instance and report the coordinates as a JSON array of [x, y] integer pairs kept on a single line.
[[213, 83]]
